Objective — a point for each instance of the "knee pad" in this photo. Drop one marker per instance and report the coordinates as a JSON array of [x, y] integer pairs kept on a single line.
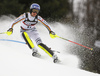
[[28, 40], [46, 49]]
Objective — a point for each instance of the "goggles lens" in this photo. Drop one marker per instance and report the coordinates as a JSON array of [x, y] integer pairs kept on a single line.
[[35, 11]]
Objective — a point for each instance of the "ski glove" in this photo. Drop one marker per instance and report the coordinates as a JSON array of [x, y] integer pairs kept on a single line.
[[9, 31], [52, 34]]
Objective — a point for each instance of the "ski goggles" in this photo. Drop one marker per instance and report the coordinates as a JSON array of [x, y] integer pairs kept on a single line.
[[35, 11]]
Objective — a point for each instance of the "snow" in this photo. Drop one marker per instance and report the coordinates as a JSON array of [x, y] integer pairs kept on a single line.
[[97, 43], [16, 63], [16, 58]]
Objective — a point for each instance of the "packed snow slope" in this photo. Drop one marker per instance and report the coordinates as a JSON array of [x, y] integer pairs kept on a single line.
[[16, 58], [14, 62]]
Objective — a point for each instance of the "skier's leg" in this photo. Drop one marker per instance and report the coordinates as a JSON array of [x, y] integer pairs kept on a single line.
[[35, 36], [28, 40], [30, 44], [49, 52]]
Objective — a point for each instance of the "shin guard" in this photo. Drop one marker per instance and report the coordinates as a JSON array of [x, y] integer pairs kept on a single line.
[[46, 49], [28, 40]]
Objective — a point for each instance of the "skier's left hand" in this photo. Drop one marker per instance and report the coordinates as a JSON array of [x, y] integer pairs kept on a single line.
[[52, 34]]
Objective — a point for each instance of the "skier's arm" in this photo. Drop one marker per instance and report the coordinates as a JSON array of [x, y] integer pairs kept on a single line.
[[20, 18], [52, 34], [44, 23]]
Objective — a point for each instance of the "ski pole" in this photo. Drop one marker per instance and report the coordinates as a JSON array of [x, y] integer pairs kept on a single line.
[[3, 32], [75, 43]]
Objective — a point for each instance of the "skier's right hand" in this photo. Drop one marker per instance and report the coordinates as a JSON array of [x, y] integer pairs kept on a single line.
[[9, 31]]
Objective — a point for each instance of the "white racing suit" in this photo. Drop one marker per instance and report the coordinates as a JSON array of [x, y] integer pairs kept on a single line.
[[28, 31]]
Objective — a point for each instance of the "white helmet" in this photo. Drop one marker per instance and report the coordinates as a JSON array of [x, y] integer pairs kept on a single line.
[[34, 6]]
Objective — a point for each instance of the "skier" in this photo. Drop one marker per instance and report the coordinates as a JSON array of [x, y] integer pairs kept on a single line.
[[28, 31]]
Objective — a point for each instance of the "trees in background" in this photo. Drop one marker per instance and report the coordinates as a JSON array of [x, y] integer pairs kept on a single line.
[[52, 9], [10, 7], [88, 16]]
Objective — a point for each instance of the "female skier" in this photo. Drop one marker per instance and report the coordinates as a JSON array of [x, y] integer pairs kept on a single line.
[[28, 30]]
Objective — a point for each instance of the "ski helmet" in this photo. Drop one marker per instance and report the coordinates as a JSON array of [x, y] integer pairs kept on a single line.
[[34, 6]]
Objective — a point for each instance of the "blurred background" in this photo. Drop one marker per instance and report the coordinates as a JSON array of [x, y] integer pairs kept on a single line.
[[81, 14]]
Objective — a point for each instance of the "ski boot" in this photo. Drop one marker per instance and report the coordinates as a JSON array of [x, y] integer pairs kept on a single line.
[[35, 52], [55, 59]]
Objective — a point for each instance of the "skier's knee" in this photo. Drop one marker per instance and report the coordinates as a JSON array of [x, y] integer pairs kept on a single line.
[[38, 41]]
